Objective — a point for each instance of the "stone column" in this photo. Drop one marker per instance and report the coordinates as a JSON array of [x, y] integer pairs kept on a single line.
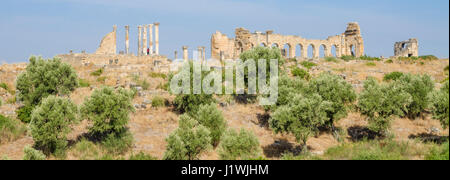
[[175, 55], [139, 40], [200, 51], [144, 38], [127, 39], [150, 27], [185, 53], [156, 38], [203, 54], [268, 33]]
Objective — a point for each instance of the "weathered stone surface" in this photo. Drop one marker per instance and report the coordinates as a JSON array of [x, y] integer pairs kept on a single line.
[[348, 43], [407, 48], [108, 44]]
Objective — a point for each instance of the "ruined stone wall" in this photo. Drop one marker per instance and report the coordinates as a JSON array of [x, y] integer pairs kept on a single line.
[[348, 43], [108, 45], [407, 48], [155, 63]]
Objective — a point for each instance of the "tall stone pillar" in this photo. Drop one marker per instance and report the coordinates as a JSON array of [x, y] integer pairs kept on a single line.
[[203, 54], [127, 39], [156, 38], [200, 51], [175, 55], [144, 38], [150, 29], [139, 40], [185, 53]]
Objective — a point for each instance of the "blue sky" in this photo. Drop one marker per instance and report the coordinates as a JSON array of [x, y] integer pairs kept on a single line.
[[51, 27]]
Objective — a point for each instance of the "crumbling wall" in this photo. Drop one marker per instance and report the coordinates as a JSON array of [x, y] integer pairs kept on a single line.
[[348, 43], [407, 48], [108, 44]]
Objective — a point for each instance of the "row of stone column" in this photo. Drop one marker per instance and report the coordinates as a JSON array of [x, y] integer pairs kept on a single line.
[[142, 39], [201, 53]]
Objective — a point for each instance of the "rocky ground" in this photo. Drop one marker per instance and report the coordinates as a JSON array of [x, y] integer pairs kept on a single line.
[[150, 126]]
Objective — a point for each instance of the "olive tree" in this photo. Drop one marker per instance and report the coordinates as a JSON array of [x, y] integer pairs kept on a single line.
[[301, 117], [209, 116], [440, 104], [241, 145], [40, 79], [50, 124], [381, 102], [188, 140], [337, 91], [108, 109]]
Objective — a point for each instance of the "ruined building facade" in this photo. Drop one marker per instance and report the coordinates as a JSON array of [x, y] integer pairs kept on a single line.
[[348, 43], [407, 48]]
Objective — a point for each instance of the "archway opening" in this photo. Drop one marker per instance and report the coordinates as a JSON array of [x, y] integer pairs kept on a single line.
[[352, 50], [311, 50], [323, 51], [286, 51], [275, 45], [333, 50], [299, 50], [263, 45]]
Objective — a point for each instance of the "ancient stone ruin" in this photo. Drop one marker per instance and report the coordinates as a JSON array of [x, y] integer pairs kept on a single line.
[[106, 54], [407, 48], [349, 43]]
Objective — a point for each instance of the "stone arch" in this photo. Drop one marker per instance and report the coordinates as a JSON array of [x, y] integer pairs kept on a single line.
[[323, 50], [352, 49], [289, 52], [334, 51], [263, 45], [275, 45], [299, 50], [311, 51]]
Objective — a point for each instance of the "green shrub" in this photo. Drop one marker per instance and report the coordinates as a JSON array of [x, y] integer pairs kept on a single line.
[[301, 117], [334, 89], [51, 122], [374, 150], [440, 105], [419, 87], [10, 129], [428, 57], [371, 64], [389, 61], [393, 76], [5, 86], [24, 113], [102, 79], [86, 150], [190, 103], [446, 68], [83, 83], [331, 59], [287, 88], [369, 58], [239, 146], [40, 79], [32, 154], [308, 64], [108, 109], [158, 101], [157, 75], [141, 156], [209, 116], [440, 152], [43, 78], [380, 102], [188, 140], [301, 73], [348, 58], [118, 143], [98, 72]]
